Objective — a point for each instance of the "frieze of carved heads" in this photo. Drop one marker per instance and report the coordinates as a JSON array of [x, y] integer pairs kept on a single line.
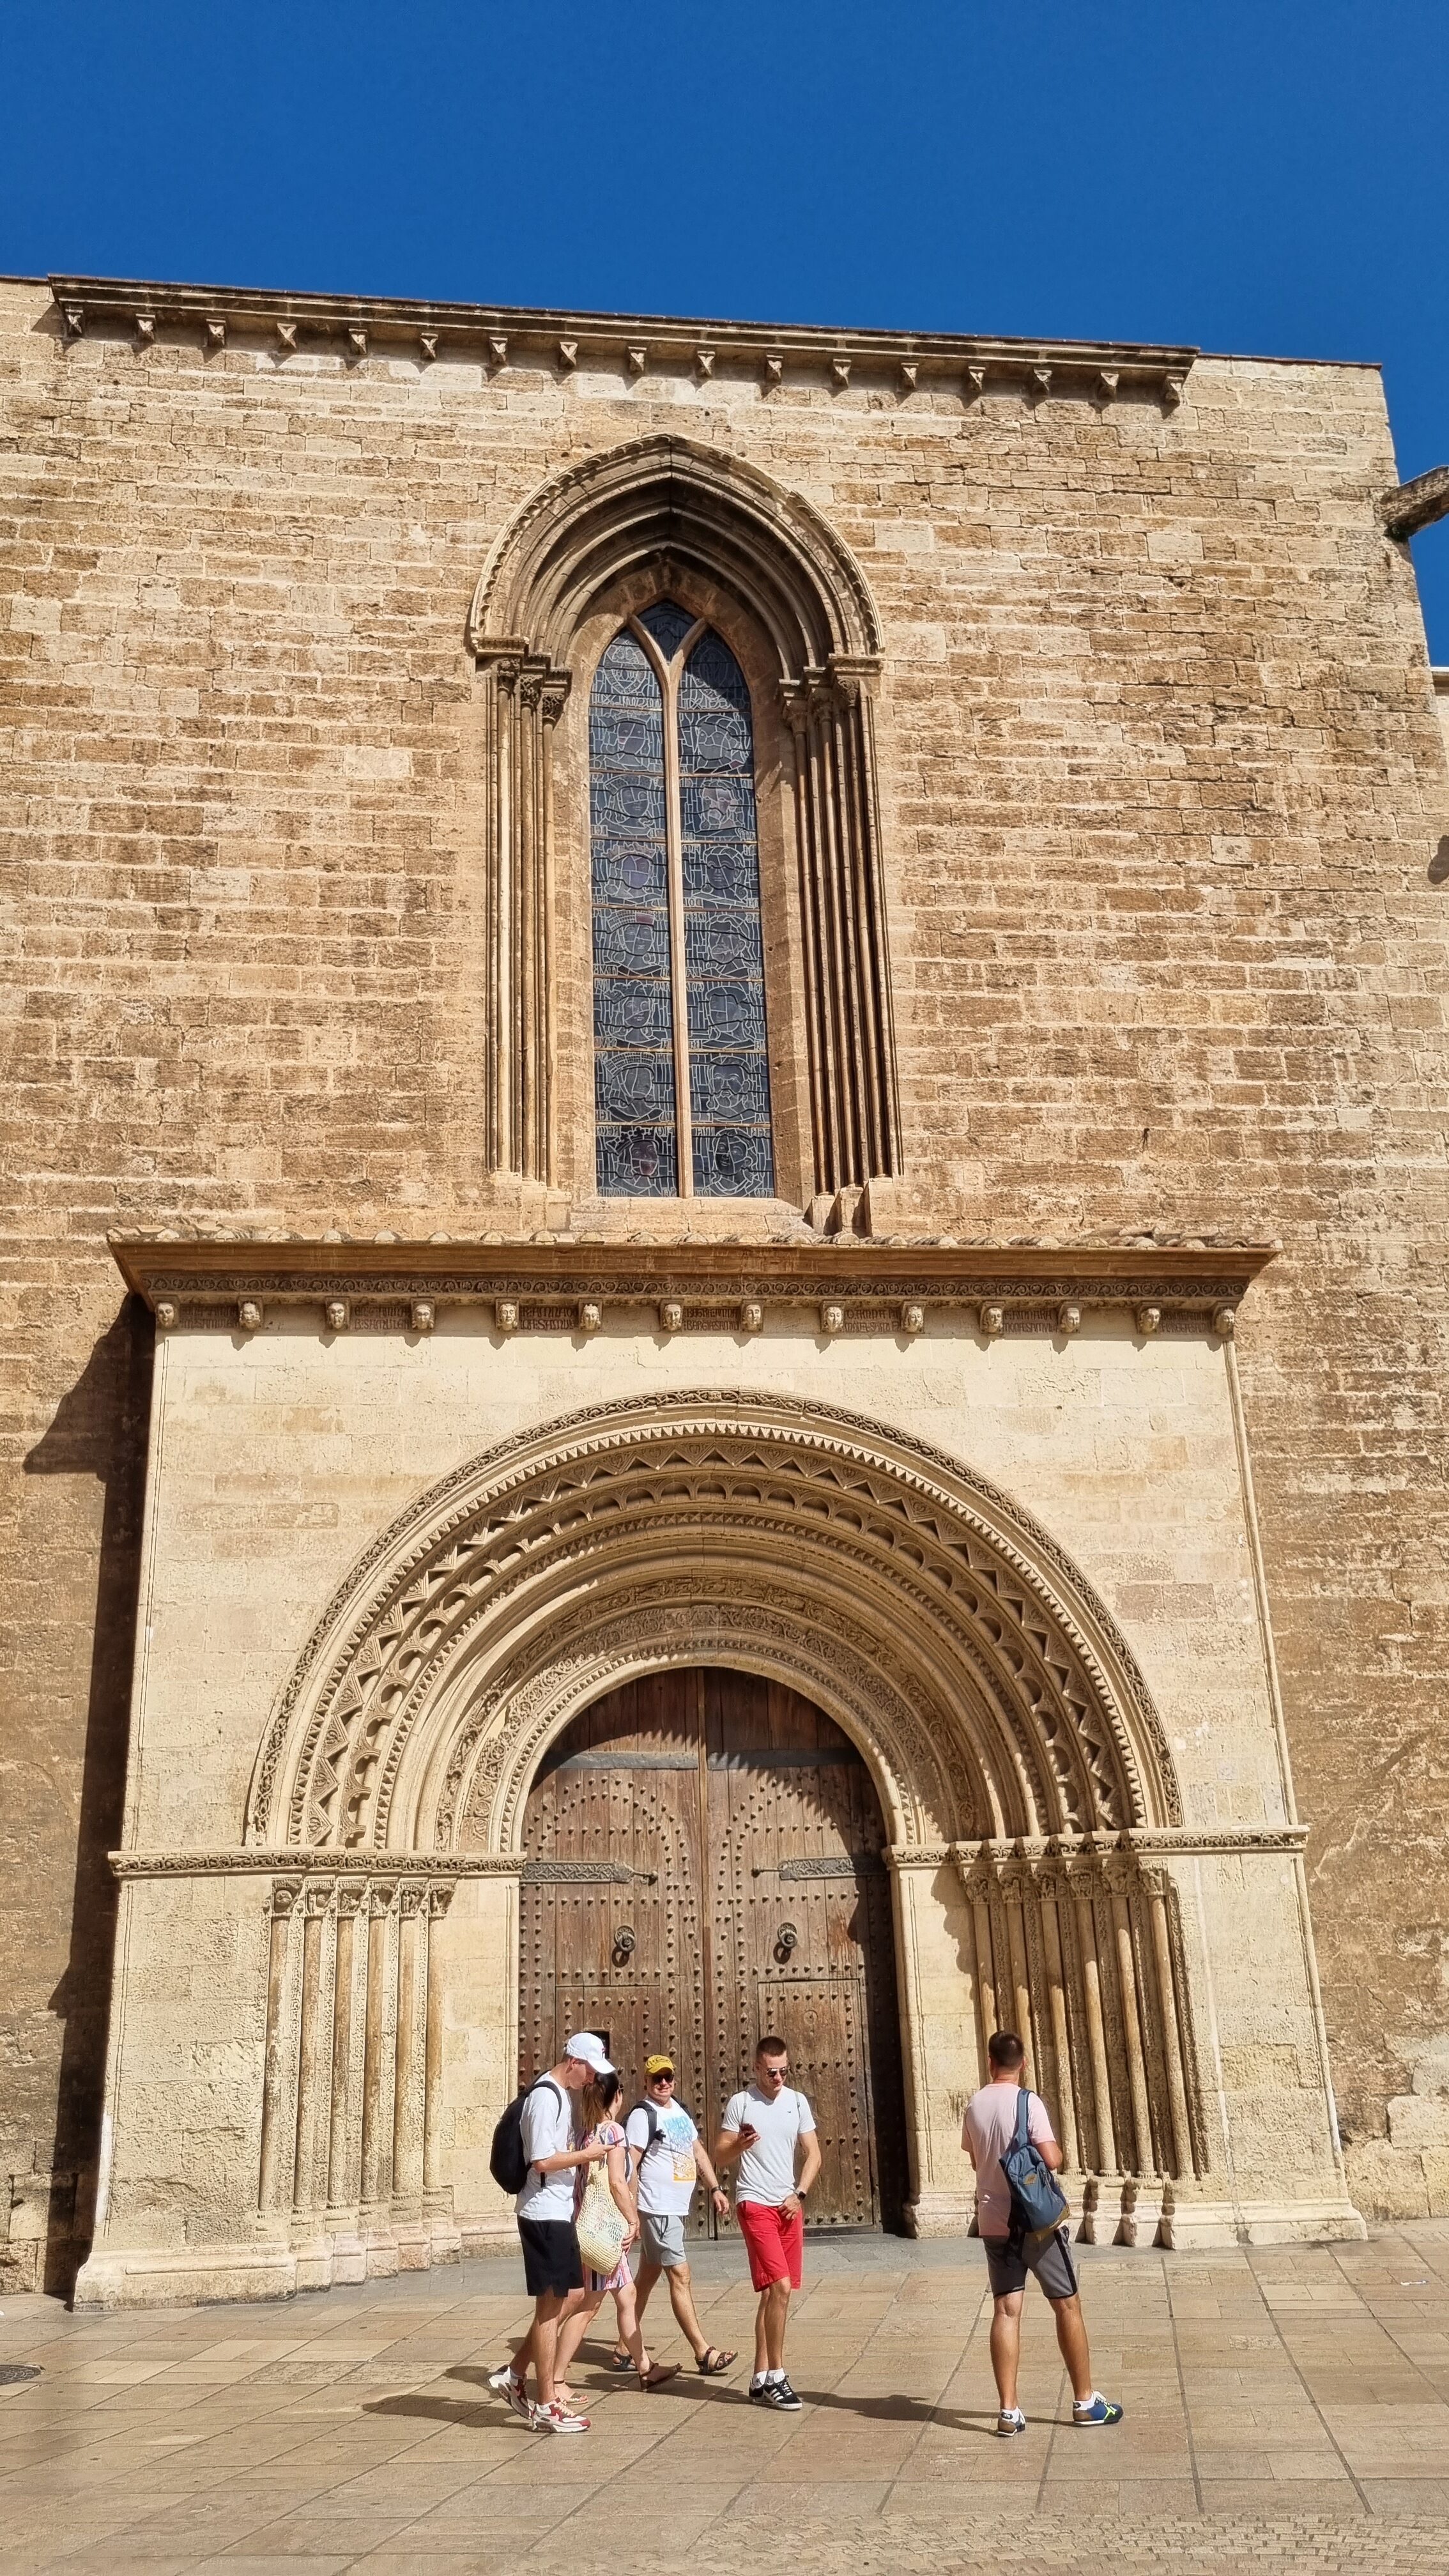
[[1034, 1718]]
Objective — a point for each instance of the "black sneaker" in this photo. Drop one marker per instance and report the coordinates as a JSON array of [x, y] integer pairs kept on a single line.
[[785, 2396], [777, 2393]]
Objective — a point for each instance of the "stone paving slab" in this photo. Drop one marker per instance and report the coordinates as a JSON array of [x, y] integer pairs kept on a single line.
[[1287, 2409]]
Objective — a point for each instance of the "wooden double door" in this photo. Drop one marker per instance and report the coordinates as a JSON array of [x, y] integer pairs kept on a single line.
[[704, 1865]]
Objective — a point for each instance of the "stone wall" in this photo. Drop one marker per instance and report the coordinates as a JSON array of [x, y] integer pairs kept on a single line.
[[1162, 782]]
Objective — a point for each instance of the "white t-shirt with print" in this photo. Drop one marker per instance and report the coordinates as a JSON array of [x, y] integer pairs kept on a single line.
[[548, 2130], [667, 2173], [766, 2171]]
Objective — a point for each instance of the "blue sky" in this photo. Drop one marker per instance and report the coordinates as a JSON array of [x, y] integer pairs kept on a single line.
[[1263, 175]]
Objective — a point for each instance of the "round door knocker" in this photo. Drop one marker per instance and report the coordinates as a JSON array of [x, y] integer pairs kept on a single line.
[[624, 1943], [787, 1939]]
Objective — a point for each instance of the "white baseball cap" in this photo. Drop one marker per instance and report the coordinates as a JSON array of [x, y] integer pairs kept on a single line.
[[586, 2045]]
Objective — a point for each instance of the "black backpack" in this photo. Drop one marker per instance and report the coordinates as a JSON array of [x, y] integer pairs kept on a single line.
[[507, 2162]]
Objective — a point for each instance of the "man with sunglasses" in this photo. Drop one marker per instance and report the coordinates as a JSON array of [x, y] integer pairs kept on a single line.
[[765, 2127], [668, 2153]]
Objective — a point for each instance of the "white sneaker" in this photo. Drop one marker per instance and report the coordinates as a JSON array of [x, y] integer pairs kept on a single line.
[[1010, 2420], [557, 2419], [510, 2388]]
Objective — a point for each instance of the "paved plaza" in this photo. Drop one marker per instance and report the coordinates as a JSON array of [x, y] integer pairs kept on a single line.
[[1285, 2409]]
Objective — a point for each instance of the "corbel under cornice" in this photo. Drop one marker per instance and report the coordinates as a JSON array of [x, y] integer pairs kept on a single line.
[[503, 338], [840, 1285]]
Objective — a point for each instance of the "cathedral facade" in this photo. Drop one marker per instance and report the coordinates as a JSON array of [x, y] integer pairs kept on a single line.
[[727, 1147]]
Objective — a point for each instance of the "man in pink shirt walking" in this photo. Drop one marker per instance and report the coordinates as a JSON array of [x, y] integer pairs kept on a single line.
[[986, 2133]]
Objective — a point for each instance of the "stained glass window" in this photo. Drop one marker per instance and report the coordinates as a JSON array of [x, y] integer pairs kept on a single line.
[[682, 1075]]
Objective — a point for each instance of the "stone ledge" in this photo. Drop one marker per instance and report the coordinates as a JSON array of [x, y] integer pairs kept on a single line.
[[501, 337]]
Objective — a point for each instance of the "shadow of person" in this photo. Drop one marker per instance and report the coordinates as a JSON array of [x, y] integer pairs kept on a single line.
[[441, 2409], [900, 2409]]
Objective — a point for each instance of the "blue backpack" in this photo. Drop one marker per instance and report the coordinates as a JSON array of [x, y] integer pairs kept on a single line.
[[1037, 2201]]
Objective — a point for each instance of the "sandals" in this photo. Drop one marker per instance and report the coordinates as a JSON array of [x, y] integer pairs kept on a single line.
[[712, 2361], [657, 2373], [620, 2361]]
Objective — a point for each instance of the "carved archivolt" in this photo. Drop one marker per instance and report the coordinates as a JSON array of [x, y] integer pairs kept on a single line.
[[660, 502], [989, 1690]]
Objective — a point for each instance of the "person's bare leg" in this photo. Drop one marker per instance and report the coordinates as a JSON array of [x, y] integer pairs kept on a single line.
[[648, 2276], [1006, 2346], [762, 2350], [681, 2300], [631, 2333], [573, 2327], [777, 2311], [1072, 2340], [544, 2340]]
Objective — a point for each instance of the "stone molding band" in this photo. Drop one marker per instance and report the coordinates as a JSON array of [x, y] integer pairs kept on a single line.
[[297, 1861], [503, 339]]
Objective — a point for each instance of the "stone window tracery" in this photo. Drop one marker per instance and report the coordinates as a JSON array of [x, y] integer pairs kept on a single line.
[[681, 1069]]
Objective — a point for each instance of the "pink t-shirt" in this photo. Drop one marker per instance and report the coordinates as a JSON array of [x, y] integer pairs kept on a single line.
[[986, 2133]]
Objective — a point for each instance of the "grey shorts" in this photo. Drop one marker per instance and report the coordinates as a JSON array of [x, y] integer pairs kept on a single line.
[[661, 2240], [1048, 2255]]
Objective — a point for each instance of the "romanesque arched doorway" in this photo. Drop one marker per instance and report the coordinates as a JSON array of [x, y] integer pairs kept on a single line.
[[704, 1863]]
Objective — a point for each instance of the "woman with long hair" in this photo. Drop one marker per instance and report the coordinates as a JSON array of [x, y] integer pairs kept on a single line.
[[601, 2098]]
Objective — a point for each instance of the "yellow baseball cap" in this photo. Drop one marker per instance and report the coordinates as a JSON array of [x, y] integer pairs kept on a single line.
[[659, 2066]]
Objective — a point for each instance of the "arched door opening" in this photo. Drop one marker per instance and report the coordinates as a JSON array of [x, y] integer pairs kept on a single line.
[[704, 1863]]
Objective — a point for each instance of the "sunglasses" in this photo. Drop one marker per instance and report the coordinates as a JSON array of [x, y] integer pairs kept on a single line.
[[661, 2079]]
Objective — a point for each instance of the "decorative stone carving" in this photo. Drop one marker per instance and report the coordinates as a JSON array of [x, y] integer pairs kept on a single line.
[[1173, 385], [832, 1320], [1225, 1322], [909, 373], [1147, 1319], [249, 1315], [591, 1316], [423, 1315], [637, 359], [704, 364], [568, 356], [652, 496], [752, 1317], [287, 338], [1069, 1319], [671, 1316], [772, 367], [497, 351], [973, 384], [840, 373], [145, 330], [165, 1315], [991, 1320], [1108, 379], [215, 333], [357, 340], [505, 1315], [913, 1320], [1050, 1723], [336, 1314], [428, 346], [1039, 384], [73, 320]]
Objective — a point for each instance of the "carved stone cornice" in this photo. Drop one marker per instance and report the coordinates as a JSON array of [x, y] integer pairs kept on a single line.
[[502, 339], [1166, 1842], [543, 1285], [296, 1865]]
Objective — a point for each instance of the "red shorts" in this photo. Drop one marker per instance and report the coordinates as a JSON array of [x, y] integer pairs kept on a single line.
[[776, 2243]]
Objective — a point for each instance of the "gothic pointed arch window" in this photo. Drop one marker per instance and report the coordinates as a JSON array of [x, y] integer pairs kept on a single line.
[[681, 1061]]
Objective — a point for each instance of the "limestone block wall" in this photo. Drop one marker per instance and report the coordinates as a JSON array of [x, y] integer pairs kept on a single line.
[[1128, 1451], [1161, 782]]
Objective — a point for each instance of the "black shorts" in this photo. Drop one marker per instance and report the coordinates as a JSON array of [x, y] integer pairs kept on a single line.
[[551, 2257], [1047, 2254]]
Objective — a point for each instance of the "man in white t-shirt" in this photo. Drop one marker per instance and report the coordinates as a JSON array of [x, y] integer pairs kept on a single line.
[[668, 2155], [552, 2265], [986, 2132], [765, 2127]]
